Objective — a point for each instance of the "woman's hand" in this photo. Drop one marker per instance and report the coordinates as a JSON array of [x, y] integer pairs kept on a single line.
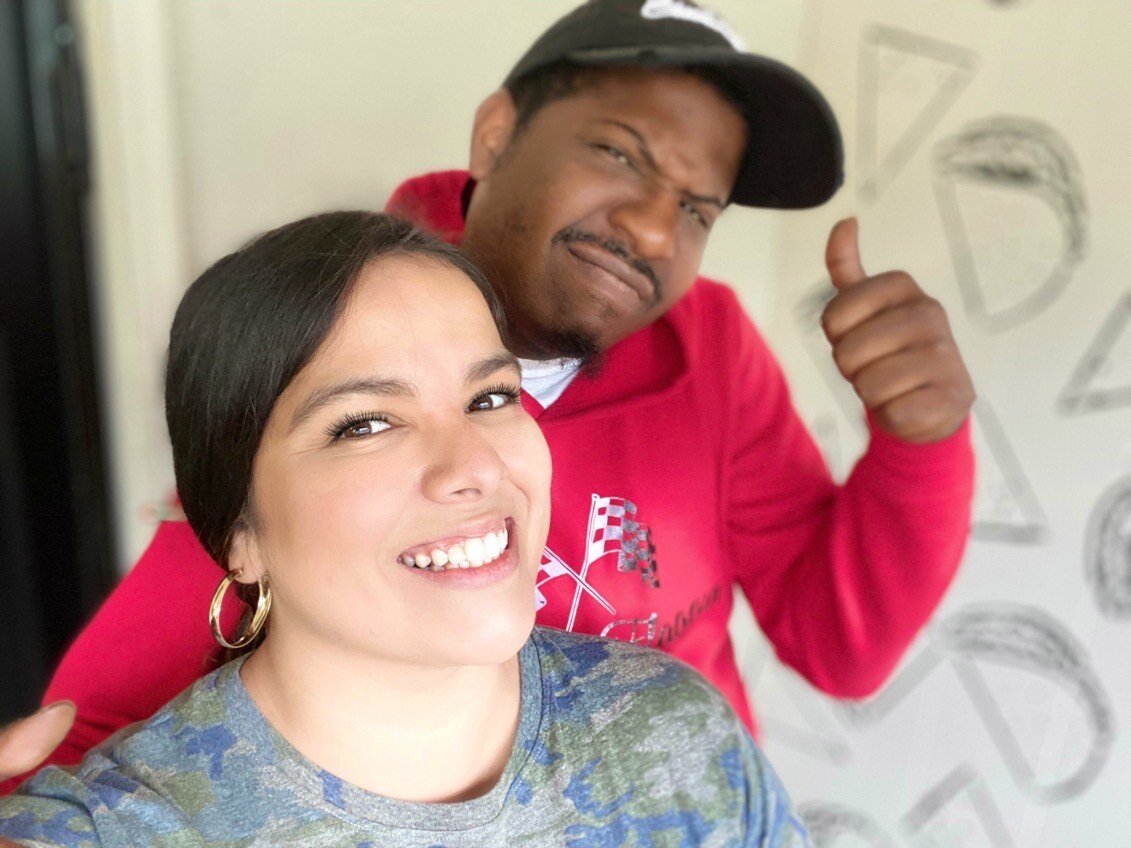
[[26, 743]]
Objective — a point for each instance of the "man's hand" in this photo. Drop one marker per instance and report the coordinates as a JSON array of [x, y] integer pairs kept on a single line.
[[26, 743], [893, 343]]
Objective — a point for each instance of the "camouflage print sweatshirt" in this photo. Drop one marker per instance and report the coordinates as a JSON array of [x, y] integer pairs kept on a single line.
[[617, 745]]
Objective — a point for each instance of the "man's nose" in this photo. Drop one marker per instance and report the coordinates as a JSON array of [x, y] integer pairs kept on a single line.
[[648, 221], [463, 465]]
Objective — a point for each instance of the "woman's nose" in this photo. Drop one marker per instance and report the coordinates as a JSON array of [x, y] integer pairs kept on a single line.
[[649, 220], [463, 466]]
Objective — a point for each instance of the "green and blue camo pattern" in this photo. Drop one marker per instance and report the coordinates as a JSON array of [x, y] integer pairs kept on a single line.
[[618, 745]]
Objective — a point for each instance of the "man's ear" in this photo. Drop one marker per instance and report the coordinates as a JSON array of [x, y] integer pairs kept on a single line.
[[491, 132], [244, 555]]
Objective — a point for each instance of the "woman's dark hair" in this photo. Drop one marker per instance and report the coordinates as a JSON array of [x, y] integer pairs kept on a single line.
[[244, 330]]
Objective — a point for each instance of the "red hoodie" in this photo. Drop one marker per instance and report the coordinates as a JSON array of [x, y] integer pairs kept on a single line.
[[680, 470]]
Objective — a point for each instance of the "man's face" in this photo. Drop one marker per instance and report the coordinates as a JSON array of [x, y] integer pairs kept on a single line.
[[592, 220]]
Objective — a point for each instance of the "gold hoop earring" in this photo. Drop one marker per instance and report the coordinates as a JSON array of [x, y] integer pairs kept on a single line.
[[262, 607]]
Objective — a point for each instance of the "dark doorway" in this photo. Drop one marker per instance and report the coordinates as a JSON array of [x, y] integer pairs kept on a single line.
[[56, 559]]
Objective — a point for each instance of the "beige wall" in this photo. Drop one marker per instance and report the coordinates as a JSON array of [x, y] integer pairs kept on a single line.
[[287, 107]]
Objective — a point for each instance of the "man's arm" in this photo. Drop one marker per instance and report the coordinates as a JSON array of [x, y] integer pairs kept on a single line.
[[149, 640], [840, 578]]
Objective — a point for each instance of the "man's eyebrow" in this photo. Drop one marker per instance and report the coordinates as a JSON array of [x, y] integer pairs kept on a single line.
[[706, 198], [646, 153], [487, 366], [353, 386]]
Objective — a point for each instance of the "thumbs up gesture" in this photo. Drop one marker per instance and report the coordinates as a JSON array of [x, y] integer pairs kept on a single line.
[[894, 344]]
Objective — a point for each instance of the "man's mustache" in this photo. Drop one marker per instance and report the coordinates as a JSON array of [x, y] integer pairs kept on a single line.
[[572, 234]]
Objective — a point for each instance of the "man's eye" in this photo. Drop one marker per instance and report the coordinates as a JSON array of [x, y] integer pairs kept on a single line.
[[495, 399], [698, 216], [616, 154], [360, 427]]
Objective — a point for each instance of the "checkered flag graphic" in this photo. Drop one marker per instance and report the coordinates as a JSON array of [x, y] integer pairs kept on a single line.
[[552, 566], [615, 530]]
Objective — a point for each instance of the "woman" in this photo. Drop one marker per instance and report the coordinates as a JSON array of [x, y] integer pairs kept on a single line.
[[348, 444]]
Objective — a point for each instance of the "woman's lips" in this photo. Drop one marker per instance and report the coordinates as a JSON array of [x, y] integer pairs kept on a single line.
[[473, 578], [462, 572], [463, 550]]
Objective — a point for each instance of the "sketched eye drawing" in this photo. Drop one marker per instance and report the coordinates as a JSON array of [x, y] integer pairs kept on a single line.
[[1107, 555], [1031, 684], [1011, 198], [1029, 679]]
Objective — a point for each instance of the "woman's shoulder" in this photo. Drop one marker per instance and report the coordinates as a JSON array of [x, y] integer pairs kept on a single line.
[[637, 726], [595, 676], [138, 781], [185, 736], [177, 732]]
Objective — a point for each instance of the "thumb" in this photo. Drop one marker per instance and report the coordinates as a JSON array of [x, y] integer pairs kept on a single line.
[[26, 743], [842, 255]]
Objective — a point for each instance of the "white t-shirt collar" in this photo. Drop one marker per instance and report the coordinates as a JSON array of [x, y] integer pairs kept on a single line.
[[545, 380]]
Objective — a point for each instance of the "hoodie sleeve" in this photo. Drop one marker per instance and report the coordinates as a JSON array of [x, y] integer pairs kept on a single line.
[[148, 641], [840, 578]]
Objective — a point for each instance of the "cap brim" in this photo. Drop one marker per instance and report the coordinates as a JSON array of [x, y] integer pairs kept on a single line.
[[794, 154]]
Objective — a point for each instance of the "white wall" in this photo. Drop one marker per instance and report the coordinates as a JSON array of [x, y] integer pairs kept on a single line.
[[140, 249], [957, 749]]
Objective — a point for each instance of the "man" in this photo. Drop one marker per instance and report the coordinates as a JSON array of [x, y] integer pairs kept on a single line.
[[681, 468]]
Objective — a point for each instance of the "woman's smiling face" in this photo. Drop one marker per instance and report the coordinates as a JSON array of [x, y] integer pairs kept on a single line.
[[402, 444]]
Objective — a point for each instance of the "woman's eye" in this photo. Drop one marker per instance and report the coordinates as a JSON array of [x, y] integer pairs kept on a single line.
[[359, 429], [492, 400]]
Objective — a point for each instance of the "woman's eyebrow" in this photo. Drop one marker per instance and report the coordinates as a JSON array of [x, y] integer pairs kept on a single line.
[[391, 387], [353, 386], [487, 366]]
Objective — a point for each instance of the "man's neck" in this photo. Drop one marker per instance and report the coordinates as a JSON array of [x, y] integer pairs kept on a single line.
[[407, 731]]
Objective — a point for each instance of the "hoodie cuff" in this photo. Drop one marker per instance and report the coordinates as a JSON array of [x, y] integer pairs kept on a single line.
[[893, 450]]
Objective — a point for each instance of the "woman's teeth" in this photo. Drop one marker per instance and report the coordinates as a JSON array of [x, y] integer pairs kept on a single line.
[[471, 553]]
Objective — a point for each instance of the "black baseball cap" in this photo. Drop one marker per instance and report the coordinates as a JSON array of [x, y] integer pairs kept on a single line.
[[794, 156]]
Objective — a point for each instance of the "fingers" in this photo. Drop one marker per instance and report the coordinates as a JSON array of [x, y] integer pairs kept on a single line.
[[894, 344], [921, 416], [910, 325], [852, 307], [916, 392], [842, 254], [894, 376], [26, 743]]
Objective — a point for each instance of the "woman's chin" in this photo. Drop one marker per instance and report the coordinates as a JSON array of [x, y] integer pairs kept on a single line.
[[494, 637]]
